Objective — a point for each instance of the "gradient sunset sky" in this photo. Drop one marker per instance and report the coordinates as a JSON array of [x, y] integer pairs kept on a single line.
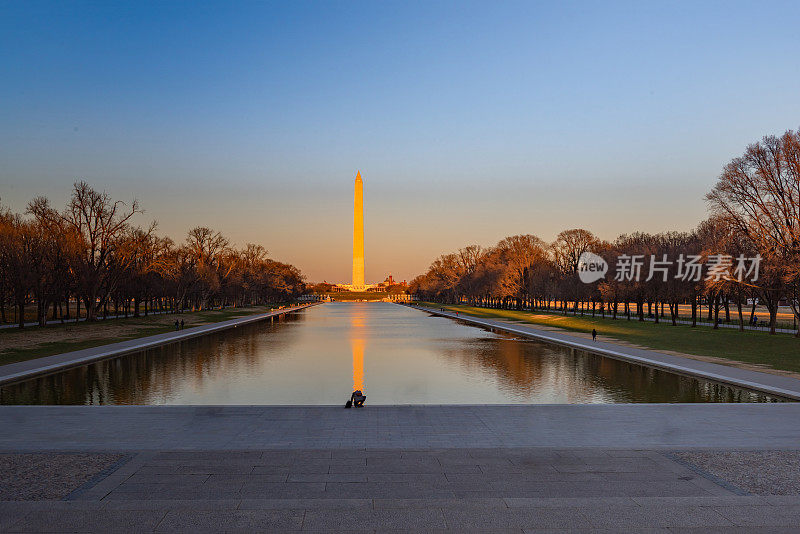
[[468, 121]]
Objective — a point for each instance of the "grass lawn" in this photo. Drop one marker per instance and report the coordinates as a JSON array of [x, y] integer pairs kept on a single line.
[[35, 342], [781, 351]]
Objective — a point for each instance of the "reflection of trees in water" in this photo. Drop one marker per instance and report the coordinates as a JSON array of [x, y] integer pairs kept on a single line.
[[154, 376], [644, 384], [528, 370], [525, 371]]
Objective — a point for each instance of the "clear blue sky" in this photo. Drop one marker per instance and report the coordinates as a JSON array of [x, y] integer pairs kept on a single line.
[[468, 121]]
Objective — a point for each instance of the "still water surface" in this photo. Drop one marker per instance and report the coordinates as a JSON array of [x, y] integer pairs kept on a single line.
[[396, 355]]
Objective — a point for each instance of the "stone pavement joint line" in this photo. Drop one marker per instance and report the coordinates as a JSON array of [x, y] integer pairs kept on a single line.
[[377, 490], [781, 386], [15, 372]]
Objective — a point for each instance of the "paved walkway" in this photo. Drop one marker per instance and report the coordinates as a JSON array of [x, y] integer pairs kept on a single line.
[[782, 386], [651, 426], [14, 372], [577, 468], [455, 490]]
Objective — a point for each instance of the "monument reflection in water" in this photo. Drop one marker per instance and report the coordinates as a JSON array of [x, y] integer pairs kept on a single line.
[[319, 356], [357, 341]]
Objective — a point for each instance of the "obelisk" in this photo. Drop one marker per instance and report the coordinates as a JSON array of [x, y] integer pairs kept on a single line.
[[358, 235]]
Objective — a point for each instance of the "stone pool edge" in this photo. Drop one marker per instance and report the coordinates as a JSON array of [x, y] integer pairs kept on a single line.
[[776, 385], [21, 371]]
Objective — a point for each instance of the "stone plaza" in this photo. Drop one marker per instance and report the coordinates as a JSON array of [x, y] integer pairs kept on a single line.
[[570, 468]]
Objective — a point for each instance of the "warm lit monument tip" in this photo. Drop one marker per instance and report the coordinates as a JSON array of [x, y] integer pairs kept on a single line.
[[358, 235]]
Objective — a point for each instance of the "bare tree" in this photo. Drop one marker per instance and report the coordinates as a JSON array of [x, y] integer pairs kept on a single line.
[[519, 253], [758, 195], [17, 257], [99, 222], [568, 247], [566, 251], [91, 251]]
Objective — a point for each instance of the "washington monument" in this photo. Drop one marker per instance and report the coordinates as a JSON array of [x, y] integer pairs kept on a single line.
[[358, 235]]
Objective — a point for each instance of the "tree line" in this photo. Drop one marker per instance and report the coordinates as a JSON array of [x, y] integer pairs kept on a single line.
[[754, 213], [91, 255]]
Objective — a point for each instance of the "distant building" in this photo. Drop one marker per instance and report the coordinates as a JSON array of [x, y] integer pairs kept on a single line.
[[390, 283]]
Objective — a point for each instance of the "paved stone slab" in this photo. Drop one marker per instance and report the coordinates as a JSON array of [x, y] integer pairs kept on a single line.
[[304, 504], [231, 521], [674, 497], [528, 518], [753, 516], [10, 514], [654, 516], [440, 503], [88, 521], [383, 519], [170, 504], [621, 426]]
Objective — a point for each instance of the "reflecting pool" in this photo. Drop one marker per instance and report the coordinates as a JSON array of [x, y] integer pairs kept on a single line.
[[394, 354]]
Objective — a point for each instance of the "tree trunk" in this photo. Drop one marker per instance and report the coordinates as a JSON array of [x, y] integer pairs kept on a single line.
[[773, 316], [739, 310], [727, 308], [90, 303], [41, 312]]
